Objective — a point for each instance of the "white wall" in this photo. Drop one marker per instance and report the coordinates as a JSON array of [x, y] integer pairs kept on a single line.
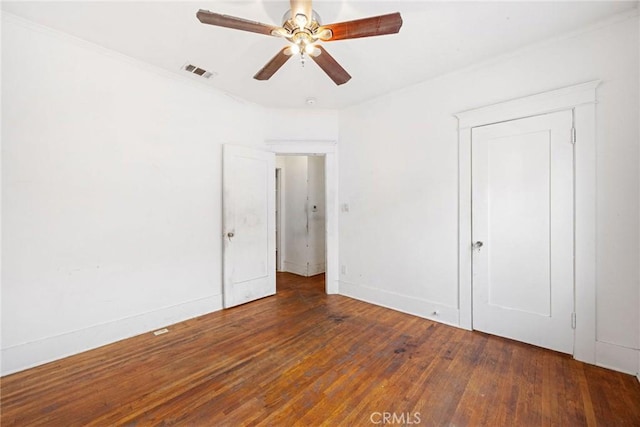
[[111, 187], [398, 173], [303, 231], [304, 124]]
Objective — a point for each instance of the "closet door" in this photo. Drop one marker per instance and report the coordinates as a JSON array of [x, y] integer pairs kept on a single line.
[[522, 229]]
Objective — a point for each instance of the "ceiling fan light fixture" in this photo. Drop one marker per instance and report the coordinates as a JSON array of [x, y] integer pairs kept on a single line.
[[302, 38], [301, 20], [309, 49], [295, 49]]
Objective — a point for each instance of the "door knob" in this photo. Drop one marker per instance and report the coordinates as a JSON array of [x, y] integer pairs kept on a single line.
[[477, 245]]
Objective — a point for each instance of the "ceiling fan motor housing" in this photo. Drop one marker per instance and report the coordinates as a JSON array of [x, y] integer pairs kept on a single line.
[[315, 18]]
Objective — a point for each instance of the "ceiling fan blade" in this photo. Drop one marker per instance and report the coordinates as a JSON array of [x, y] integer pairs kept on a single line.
[[227, 21], [301, 6], [331, 66], [273, 65], [367, 27]]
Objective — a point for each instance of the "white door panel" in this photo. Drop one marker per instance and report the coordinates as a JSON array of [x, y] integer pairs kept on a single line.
[[522, 197], [518, 180], [248, 224]]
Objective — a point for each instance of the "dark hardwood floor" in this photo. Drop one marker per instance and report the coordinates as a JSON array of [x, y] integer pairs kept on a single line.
[[306, 358]]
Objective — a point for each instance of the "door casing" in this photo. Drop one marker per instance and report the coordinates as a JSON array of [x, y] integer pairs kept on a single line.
[[329, 150], [279, 248], [581, 99]]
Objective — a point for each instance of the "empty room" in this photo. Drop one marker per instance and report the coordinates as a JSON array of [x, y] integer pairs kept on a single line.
[[327, 212]]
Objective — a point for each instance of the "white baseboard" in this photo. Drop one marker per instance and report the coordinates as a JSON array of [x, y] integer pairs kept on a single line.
[[28, 355], [404, 303], [306, 270], [316, 268], [292, 267], [618, 358]]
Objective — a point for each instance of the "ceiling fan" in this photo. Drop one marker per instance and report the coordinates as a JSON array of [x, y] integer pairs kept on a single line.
[[303, 30]]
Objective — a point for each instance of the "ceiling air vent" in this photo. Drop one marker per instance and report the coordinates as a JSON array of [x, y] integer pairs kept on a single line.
[[198, 71]]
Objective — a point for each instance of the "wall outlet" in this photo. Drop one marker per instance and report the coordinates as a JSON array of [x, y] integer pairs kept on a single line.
[[161, 331], [345, 207], [343, 269]]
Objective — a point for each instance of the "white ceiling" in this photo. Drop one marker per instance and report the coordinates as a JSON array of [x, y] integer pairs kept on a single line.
[[436, 37]]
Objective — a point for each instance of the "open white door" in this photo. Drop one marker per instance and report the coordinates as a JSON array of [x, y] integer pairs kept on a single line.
[[248, 207], [522, 226]]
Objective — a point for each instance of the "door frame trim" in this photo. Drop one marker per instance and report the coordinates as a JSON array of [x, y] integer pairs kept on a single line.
[[328, 149], [279, 220], [580, 98]]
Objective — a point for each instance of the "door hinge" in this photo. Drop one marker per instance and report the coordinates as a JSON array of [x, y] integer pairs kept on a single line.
[[573, 320], [573, 135]]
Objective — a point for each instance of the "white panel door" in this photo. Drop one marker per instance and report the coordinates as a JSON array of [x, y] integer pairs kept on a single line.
[[522, 229], [248, 224]]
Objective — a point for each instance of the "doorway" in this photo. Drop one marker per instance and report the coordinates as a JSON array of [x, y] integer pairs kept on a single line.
[[300, 214], [328, 150]]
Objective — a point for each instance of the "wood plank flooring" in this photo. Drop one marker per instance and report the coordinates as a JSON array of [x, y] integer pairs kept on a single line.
[[306, 358]]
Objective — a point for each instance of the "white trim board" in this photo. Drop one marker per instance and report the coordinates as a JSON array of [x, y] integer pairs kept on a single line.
[[580, 98], [306, 270], [403, 303], [317, 268], [616, 357], [35, 353], [541, 103], [329, 150], [299, 269]]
